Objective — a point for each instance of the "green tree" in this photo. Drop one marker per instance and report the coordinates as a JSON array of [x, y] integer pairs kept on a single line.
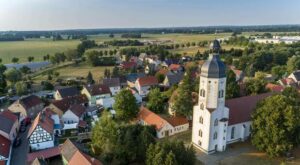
[[15, 60], [125, 105], [160, 77], [183, 102], [30, 58], [278, 71], [89, 78], [255, 85], [156, 101], [170, 159], [232, 87], [115, 72], [21, 88], [71, 54], [3, 83], [25, 69], [275, 127], [293, 64], [13, 75]]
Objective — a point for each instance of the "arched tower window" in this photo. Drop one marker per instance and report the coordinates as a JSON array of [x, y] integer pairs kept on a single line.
[[232, 132], [216, 122], [202, 92], [215, 135], [221, 94], [200, 133], [201, 120]]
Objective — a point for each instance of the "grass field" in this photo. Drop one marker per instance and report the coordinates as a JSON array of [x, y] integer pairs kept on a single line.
[[36, 48], [40, 47], [77, 71]]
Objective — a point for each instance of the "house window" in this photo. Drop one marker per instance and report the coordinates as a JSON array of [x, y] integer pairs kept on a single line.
[[201, 120], [215, 135], [200, 133], [216, 122], [232, 132]]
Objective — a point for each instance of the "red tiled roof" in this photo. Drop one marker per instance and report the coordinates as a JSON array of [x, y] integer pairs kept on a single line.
[[97, 89], [7, 119], [151, 118], [147, 81], [82, 124], [43, 121], [177, 121], [8, 114], [128, 65], [82, 158], [174, 67], [4, 146], [163, 71], [30, 101], [240, 109], [2, 162], [274, 87], [287, 81], [65, 103], [46, 153], [78, 109]]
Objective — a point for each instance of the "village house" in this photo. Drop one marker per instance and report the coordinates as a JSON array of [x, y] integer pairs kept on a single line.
[[239, 74], [132, 77], [164, 126], [113, 84], [96, 92], [28, 106], [59, 107], [5, 150], [274, 87], [74, 114], [71, 155], [295, 76], [35, 158], [9, 125], [287, 82], [128, 65], [176, 68], [65, 92], [144, 84], [41, 132], [173, 79]]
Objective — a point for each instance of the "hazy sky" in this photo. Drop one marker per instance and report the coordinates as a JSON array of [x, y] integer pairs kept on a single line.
[[78, 14]]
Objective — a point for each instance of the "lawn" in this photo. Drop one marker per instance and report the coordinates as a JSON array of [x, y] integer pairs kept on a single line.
[[36, 48], [77, 71]]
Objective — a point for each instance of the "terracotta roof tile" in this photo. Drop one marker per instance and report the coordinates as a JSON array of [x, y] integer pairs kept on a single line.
[[240, 109], [174, 67], [65, 103], [8, 120], [147, 81], [97, 89], [46, 153], [43, 121], [128, 65], [78, 109], [274, 87], [68, 91], [30, 101], [4, 146], [177, 121], [151, 118]]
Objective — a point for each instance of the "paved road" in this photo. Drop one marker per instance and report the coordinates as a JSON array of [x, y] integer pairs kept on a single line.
[[19, 154], [214, 159]]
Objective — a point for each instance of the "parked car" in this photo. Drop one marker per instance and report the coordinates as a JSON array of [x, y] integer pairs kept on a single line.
[[17, 142]]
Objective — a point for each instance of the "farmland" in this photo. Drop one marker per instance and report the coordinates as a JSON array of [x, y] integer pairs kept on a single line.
[[41, 47]]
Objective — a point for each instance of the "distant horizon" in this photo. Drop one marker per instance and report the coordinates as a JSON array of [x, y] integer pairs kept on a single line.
[[166, 27], [37, 15]]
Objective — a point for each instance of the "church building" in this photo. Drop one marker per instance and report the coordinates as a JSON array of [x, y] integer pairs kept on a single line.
[[216, 121]]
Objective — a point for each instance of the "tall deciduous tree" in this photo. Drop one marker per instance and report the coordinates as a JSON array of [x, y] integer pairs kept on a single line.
[[232, 87], [21, 88], [183, 102], [125, 105], [156, 101], [275, 127], [13, 75]]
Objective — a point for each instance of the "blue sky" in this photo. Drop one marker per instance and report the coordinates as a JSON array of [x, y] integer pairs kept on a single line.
[[78, 14]]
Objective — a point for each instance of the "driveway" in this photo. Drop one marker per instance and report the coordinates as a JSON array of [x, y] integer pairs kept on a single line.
[[19, 154]]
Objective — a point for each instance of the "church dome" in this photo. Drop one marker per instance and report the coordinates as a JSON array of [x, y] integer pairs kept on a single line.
[[214, 67]]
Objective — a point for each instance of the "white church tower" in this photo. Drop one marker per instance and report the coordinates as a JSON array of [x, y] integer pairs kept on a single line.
[[210, 116]]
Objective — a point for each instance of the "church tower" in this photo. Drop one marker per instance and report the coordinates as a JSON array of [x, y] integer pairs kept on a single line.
[[210, 116]]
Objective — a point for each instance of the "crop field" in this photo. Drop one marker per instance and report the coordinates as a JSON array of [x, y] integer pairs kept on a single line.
[[36, 48]]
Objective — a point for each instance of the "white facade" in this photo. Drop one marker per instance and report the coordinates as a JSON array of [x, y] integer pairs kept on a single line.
[[41, 139], [238, 132], [69, 117], [115, 90], [210, 116], [106, 102]]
